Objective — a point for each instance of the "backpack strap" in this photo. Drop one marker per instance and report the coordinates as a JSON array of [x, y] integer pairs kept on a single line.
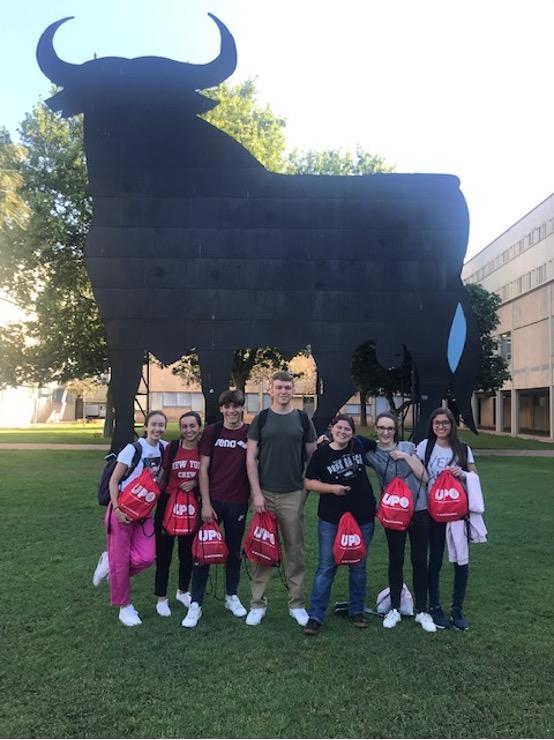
[[428, 452], [305, 419], [262, 418], [135, 461]]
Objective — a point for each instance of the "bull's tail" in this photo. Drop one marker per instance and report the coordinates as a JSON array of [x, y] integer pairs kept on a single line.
[[464, 357]]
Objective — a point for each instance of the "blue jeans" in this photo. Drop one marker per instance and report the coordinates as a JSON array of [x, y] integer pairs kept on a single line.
[[326, 569]]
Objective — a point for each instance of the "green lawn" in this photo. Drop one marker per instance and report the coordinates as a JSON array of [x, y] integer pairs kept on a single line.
[[91, 433], [69, 669]]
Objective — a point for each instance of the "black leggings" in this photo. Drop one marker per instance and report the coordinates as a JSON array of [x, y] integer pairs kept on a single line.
[[233, 518], [437, 536], [419, 541], [164, 553]]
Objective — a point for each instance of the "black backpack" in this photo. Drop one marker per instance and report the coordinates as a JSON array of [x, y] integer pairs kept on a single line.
[[111, 462]]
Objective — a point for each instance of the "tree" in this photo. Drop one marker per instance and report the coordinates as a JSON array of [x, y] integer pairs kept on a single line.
[[493, 371], [373, 380], [13, 209], [336, 162], [254, 125]]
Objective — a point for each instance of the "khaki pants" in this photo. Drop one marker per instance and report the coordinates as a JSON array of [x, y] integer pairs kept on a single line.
[[289, 510]]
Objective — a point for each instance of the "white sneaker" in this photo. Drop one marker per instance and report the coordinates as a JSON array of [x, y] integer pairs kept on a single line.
[[184, 598], [193, 615], [255, 616], [300, 614], [391, 619], [102, 570], [162, 607], [129, 616], [235, 607], [426, 621]]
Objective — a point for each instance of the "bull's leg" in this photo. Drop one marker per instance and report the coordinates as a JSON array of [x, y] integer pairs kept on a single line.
[[433, 378], [126, 369], [334, 370], [215, 370]]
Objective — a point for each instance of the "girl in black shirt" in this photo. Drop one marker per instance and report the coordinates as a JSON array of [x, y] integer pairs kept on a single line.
[[337, 472]]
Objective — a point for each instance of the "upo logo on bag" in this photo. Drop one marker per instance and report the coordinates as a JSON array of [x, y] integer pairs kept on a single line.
[[350, 540], [391, 499], [143, 493], [262, 534], [209, 535], [184, 510]]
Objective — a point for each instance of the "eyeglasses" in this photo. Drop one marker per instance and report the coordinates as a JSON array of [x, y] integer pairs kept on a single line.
[[385, 429], [441, 423]]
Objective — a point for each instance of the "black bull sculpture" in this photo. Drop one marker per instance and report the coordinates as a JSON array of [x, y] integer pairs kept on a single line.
[[195, 246]]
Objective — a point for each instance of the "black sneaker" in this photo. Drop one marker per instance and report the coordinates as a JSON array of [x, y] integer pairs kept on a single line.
[[312, 628], [439, 619], [457, 620]]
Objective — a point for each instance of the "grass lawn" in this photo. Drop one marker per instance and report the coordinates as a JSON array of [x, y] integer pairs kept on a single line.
[[91, 433], [69, 669]]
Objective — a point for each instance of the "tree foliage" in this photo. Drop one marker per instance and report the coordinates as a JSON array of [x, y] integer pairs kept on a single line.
[[254, 125], [41, 259], [493, 371], [336, 162]]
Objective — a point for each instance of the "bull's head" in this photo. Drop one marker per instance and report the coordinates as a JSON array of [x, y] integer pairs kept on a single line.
[[131, 79]]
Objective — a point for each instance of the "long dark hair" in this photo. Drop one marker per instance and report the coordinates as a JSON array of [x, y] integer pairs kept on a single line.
[[459, 449]]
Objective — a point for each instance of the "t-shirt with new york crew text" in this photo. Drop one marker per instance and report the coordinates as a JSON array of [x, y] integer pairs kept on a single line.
[[184, 467], [227, 473]]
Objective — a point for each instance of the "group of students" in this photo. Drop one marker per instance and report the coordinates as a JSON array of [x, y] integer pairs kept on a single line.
[[231, 465]]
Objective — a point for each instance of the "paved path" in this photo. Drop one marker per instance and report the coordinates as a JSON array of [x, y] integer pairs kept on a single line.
[[513, 453]]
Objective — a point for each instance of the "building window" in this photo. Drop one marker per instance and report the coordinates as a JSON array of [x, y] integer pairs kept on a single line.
[[197, 402], [505, 346], [252, 403], [156, 400]]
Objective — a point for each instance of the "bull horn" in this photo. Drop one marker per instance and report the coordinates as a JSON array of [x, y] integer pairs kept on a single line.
[[223, 66], [57, 71]]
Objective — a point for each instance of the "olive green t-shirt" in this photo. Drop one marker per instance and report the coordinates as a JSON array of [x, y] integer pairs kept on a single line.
[[280, 453]]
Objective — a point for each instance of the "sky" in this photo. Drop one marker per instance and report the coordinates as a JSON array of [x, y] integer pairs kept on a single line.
[[434, 86]]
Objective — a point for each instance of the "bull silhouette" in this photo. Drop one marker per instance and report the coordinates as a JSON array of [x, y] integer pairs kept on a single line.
[[195, 246]]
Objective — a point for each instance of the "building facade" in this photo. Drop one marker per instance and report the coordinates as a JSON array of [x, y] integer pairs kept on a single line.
[[519, 267]]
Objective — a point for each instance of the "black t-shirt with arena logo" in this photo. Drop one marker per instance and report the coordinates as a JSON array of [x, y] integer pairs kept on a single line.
[[346, 468]]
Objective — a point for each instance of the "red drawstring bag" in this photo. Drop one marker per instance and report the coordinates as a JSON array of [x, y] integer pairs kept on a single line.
[[348, 547], [261, 544], [396, 507], [447, 499], [182, 514], [208, 547], [138, 497]]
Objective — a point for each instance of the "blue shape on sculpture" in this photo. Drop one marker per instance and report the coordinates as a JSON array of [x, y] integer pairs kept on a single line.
[[457, 338]]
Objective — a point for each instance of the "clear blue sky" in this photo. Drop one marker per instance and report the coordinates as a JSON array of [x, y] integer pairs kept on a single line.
[[458, 86]]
